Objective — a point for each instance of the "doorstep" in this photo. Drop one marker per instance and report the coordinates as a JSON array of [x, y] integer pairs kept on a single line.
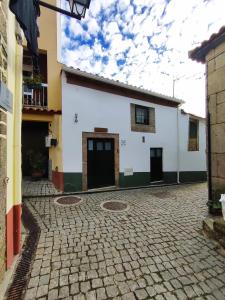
[[103, 189], [214, 228]]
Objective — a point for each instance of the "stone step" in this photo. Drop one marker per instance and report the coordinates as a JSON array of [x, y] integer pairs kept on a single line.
[[214, 227]]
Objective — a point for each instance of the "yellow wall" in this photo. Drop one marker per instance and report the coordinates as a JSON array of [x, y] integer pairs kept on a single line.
[[55, 127], [14, 119], [48, 42], [37, 118]]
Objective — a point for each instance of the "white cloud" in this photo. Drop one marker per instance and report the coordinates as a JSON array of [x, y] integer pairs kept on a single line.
[[93, 27], [153, 41], [111, 28]]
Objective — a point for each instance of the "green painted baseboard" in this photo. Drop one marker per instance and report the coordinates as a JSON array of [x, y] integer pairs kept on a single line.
[[137, 179], [170, 177], [193, 176], [72, 182]]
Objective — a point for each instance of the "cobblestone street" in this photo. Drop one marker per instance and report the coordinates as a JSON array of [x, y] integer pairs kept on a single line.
[[155, 250], [38, 188]]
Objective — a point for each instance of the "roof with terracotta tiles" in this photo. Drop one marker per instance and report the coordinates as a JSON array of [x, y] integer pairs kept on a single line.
[[215, 40]]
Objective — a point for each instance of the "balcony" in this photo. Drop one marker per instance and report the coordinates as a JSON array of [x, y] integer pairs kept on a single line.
[[36, 97]]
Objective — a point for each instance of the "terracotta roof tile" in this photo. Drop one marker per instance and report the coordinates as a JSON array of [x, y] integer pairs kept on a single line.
[[40, 110], [200, 52]]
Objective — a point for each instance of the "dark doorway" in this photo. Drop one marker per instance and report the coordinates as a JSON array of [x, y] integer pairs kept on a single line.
[[156, 155], [100, 163], [34, 152]]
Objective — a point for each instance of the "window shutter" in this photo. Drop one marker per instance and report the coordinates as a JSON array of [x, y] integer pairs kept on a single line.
[[152, 119]]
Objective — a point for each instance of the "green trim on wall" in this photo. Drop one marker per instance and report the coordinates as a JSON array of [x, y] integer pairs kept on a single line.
[[170, 177], [193, 176], [72, 182], [137, 179]]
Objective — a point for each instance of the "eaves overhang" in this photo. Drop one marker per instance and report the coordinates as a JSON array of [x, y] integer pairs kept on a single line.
[[199, 53], [122, 86]]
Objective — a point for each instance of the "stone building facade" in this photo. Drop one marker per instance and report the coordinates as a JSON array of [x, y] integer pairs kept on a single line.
[[212, 53]]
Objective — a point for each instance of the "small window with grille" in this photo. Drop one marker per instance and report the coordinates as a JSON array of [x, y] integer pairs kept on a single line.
[[141, 115]]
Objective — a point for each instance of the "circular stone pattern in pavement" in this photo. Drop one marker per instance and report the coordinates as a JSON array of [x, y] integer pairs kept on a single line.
[[115, 206], [67, 200]]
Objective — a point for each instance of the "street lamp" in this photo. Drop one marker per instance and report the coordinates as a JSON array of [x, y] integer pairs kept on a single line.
[[77, 8]]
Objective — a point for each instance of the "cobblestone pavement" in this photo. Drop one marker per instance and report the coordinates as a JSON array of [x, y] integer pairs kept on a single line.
[[38, 188], [153, 251]]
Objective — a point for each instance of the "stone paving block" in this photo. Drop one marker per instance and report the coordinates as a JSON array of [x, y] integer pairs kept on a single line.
[[96, 283], [169, 296], [129, 296], [53, 294], [141, 294], [85, 286], [101, 294], [33, 282], [42, 291], [180, 294], [64, 292], [112, 291], [91, 295], [79, 297], [84, 252], [31, 294]]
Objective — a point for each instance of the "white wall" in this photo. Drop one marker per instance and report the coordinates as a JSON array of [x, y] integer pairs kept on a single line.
[[192, 160], [101, 109]]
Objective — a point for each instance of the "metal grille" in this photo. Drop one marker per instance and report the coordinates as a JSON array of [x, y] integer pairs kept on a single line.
[[22, 274]]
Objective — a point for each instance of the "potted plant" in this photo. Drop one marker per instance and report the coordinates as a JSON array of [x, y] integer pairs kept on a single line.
[[33, 82], [37, 164]]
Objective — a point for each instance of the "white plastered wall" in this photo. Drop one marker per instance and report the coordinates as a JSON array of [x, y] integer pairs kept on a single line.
[[100, 109]]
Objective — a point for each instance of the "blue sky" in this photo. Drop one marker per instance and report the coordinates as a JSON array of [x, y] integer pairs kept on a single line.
[[145, 43]]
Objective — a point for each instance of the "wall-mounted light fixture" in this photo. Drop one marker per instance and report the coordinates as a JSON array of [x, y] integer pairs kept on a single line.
[[77, 8], [76, 118], [123, 142]]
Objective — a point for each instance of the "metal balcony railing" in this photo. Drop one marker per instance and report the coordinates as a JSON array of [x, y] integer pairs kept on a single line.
[[36, 97]]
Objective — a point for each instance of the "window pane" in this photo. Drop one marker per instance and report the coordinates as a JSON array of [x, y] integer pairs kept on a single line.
[[152, 152], [141, 115], [99, 146], [193, 129], [107, 146], [159, 152], [90, 145]]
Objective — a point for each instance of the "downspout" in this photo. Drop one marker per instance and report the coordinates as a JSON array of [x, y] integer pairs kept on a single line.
[[209, 164], [178, 146]]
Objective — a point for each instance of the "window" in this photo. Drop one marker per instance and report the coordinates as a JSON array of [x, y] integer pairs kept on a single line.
[[193, 135], [141, 115], [142, 118], [99, 146], [107, 146], [90, 145]]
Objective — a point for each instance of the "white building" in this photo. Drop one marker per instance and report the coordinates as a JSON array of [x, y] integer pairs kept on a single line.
[[119, 135]]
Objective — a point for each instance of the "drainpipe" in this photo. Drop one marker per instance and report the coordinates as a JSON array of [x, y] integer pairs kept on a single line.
[[178, 146], [209, 203]]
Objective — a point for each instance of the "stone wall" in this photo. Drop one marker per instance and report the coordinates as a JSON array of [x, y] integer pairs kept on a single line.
[[216, 107], [3, 140]]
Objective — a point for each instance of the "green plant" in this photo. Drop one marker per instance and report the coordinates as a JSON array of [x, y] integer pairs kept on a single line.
[[37, 161], [34, 81]]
